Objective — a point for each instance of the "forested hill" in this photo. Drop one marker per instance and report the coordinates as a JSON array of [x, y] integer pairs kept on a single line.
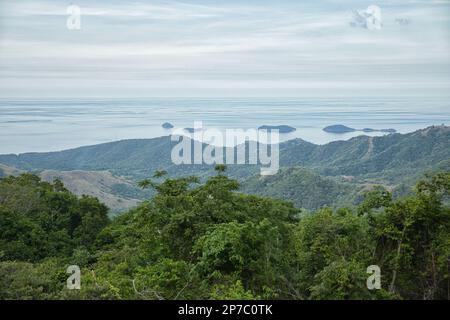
[[304, 188], [311, 175], [397, 153], [122, 156], [410, 153]]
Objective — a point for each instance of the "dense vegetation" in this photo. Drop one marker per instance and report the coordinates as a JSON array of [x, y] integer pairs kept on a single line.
[[304, 188], [39, 219], [209, 241]]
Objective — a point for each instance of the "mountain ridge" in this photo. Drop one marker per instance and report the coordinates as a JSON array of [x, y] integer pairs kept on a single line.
[[115, 151], [392, 160]]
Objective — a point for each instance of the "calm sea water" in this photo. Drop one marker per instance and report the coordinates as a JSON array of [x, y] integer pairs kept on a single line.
[[51, 125]]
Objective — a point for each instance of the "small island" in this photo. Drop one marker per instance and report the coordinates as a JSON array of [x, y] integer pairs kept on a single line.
[[280, 128], [390, 130], [167, 125], [339, 128], [192, 130]]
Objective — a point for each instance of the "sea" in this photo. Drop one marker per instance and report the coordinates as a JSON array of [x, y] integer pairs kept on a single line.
[[40, 125]]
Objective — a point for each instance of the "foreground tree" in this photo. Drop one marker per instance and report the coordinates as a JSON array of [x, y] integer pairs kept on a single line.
[[413, 241], [206, 240]]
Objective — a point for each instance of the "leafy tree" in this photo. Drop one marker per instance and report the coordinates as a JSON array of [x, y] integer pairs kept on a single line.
[[376, 198], [412, 237], [207, 240], [39, 219]]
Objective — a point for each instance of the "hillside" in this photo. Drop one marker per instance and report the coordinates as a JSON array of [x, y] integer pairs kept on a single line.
[[303, 187], [422, 149], [9, 171], [394, 160], [117, 193], [393, 155]]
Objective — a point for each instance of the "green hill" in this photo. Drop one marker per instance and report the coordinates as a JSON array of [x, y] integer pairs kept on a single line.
[[396, 161], [362, 155], [393, 155], [303, 187]]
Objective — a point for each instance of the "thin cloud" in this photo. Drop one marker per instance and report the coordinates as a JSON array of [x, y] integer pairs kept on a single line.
[[160, 46]]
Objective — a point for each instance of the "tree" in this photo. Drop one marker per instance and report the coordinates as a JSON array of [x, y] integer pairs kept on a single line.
[[413, 236], [39, 219], [195, 240]]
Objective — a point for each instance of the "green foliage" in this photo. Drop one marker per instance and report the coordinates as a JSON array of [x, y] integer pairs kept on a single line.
[[209, 241], [39, 219], [328, 242], [376, 198], [413, 239], [341, 280], [234, 291], [166, 279], [302, 186], [27, 281]]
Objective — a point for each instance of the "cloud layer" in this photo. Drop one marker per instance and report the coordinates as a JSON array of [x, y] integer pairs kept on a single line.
[[222, 48]]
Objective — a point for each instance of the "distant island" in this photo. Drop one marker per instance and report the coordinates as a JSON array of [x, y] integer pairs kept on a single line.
[[280, 128], [192, 130], [339, 128], [167, 125], [379, 130]]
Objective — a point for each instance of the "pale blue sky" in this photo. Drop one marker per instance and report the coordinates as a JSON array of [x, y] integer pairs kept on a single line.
[[223, 48]]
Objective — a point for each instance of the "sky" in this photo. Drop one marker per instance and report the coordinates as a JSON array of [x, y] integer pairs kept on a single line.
[[214, 48]]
